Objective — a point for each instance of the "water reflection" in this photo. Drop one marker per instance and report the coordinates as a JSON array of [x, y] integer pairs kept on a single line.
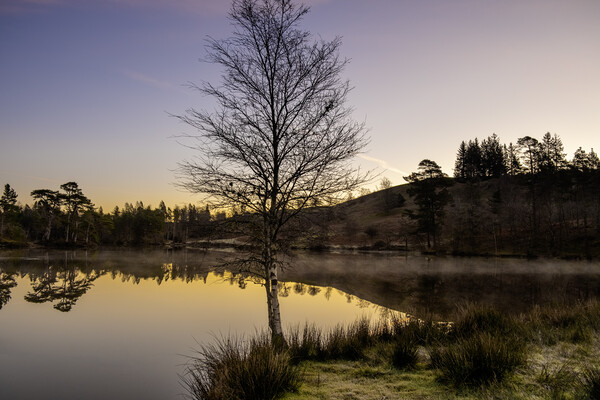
[[419, 285], [425, 286], [7, 282], [64, 285], [63, 278], [133, 312]]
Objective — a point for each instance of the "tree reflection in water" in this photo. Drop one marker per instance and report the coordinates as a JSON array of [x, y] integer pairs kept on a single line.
[[7, 282], [65, 285]]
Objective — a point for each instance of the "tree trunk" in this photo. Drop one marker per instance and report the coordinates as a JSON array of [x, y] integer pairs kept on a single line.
[[76, 231], [68, 227], [48, 228], [272, 285]]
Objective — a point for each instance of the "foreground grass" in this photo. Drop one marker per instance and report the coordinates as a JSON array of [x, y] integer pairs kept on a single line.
[[549, 353], [345, 380], [556, 372]]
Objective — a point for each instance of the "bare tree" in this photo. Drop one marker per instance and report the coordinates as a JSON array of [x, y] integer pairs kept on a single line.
[[281, 137]]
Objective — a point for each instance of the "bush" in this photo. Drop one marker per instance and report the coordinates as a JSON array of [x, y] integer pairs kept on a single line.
[[232, 370], [480, 359]]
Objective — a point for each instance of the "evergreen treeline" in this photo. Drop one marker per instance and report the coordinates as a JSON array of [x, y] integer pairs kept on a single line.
[[491, 159], [539, 203], [523, 198], [68, 217]]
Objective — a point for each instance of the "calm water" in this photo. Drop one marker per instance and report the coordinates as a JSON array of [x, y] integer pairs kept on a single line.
[[118, 324]]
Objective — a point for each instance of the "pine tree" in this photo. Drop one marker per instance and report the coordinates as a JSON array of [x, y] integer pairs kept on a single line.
[[8, 206], [493, 164], [429, 190], [459, 166]]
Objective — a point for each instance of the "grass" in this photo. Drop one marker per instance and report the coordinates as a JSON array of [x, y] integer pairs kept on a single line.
[[549, 353], [591, 384], [485, 347], [478, 360], [405, 354], [232, 369]]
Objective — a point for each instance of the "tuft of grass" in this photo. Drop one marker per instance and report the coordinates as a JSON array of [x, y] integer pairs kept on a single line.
[[233, 369], [405, 354], [478, 360], [340, 343], [348, 343], [591, 384], [306, 344], [473, 318], [427, 332], [555, 379], [564, 323]]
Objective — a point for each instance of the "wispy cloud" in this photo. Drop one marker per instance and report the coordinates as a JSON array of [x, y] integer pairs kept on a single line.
[[383, 164], [211, 7], [150, 81]]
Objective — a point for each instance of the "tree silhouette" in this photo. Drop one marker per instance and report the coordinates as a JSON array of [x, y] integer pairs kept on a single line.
[[48, 202], [8, 206], [282, 137], [75, 202], [493, 164], [429, 190]]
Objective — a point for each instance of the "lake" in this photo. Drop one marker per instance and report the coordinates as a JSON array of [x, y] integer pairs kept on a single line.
[[119, 324]]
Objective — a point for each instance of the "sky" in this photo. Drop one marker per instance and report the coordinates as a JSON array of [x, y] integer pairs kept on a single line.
[[88, 87]]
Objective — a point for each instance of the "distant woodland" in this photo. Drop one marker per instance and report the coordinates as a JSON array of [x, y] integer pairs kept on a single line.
[[522, 199]]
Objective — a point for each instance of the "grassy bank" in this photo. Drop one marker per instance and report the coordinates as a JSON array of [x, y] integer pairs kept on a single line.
[[548, 353]]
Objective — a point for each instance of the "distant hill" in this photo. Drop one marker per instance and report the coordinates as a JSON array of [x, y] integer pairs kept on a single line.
[[510, 215]]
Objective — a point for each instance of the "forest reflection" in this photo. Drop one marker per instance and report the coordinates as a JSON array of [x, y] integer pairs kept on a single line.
[[63, 281], [421, 286], [7, 282]]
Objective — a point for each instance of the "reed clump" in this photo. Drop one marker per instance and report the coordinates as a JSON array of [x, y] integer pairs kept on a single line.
[[591, 383], [234, 369], [559, 323], [484, 347], [478, 360], [405, 352]]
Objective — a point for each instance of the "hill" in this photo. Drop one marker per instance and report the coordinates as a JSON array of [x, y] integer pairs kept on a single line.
[[510, 215]]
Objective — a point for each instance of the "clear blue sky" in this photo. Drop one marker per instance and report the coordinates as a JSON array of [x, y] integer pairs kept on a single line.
[[86, 86]]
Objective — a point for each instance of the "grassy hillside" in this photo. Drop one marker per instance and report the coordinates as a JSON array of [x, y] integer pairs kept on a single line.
[[505, 216]]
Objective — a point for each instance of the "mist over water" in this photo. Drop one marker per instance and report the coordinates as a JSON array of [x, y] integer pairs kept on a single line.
[[435, 286], [118, 323]]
